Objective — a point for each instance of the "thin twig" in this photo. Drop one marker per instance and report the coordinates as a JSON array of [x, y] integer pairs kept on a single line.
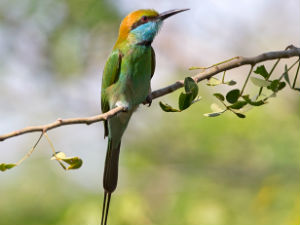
[[63, 122]]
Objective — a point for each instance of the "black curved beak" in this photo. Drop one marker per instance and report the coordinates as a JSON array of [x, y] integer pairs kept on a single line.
[[167, 14]]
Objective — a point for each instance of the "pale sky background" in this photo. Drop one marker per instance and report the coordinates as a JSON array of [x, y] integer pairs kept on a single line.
[[210, 32]]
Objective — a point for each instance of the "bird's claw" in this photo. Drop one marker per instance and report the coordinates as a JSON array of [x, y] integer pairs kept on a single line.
[[148, 101], [121, 104]]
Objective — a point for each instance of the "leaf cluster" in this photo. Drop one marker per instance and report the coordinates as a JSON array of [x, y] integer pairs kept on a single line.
[[186, 98], [235, 100]]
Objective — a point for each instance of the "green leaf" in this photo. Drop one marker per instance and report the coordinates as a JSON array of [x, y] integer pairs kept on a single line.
[[286, 75], [233, 95], [261, 70], [281, 85], [260, 82], [219, 96], [196, 68], [217, 111], [213, 82], [167, 108], [253, 103], [190, 86], [216, 108], [74, 162], [185, 100], [230, 83], [273, 86], [238, 105], [240, 115], [276, 85], [214, 114], [4, 166]]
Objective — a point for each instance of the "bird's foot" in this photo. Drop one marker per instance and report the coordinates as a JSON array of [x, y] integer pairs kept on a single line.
[[122, 104], [148, 101]]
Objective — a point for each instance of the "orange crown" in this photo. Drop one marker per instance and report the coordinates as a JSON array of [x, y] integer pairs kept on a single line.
[[130, 19]]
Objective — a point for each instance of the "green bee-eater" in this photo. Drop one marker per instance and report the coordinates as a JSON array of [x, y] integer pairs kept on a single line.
[[126, 82]]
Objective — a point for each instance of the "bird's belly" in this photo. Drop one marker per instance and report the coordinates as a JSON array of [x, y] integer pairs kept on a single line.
[[137, 88]]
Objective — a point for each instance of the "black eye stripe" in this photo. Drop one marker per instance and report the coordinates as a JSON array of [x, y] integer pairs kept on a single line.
[[142, 21]]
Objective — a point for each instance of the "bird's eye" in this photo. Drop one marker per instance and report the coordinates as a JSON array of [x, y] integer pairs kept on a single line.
[[144, 19]]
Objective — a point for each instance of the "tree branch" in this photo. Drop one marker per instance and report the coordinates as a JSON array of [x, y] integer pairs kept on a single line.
[[63, 122], [238, 61], [290, 51]]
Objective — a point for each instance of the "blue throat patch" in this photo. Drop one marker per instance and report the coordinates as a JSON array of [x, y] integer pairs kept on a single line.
[[145, 33]]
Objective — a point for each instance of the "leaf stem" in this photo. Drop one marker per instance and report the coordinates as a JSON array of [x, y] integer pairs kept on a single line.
[[53, 150], [50, 143], [219, 63], [223, 77], [272, 70], [294, 83], [291, 67], [30, 151], [246, 81]]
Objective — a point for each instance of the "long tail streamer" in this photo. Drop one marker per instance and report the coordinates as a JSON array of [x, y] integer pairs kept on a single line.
[[105, 208]]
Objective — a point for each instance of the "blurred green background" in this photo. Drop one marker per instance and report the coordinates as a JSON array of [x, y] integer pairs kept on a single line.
[[175, 168]]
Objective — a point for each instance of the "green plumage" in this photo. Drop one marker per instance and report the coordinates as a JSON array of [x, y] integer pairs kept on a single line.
[[126, 82]]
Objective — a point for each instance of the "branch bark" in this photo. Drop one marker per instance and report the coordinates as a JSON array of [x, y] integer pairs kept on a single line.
[[290, 51], [238, 61], [63, 122]]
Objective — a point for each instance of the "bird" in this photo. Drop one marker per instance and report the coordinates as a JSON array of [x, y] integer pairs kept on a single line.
[[126, 82]]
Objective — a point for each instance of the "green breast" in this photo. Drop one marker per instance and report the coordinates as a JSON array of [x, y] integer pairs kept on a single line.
[[135, 74]]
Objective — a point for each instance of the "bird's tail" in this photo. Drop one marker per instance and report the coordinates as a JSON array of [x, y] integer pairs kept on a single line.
[[110, 177]]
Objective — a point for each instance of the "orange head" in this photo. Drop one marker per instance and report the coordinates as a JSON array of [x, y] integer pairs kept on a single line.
[[143, 24]]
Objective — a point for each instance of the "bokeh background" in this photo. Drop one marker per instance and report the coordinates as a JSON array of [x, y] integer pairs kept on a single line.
[[180, 168]]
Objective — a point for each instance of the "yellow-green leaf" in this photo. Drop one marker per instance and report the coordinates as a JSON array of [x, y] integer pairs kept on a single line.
[[213, 82], [219, 96], [230, 83], [4, 166], [214, 114], [167, 108], [74, 162], [260, 82], [216, 108]]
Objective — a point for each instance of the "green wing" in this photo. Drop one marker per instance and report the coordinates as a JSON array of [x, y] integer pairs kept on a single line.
[[110, 76], [153, 62]]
